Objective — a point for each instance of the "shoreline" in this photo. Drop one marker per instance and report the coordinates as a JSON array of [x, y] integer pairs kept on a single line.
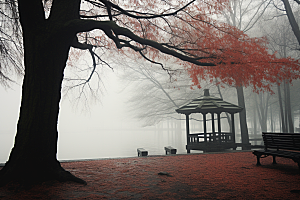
[[117, 158]]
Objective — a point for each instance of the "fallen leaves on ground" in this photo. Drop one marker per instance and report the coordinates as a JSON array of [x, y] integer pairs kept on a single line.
[[194, 176]]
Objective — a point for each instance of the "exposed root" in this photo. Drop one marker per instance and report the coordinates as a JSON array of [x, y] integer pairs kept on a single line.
[[27, 176], [64, 176]]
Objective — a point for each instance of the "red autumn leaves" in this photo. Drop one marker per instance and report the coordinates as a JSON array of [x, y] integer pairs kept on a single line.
[[195, 32], [201, 176]]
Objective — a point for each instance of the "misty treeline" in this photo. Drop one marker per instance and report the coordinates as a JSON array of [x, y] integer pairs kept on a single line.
[[156, 96]]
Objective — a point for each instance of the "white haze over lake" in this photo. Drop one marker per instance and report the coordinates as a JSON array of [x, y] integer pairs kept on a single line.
[[107, 129]]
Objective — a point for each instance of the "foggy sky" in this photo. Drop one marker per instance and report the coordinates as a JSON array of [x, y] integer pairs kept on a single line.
[[74, 122]]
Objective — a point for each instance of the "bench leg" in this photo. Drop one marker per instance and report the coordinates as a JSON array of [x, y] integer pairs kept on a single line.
[[274, 160], [297, 161], [258, 159]]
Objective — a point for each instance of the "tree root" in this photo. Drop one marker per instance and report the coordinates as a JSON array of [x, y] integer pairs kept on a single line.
[[32, 175], [64, 176]]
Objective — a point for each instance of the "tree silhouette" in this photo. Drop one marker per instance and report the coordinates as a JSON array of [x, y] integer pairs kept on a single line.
[[183, 29]]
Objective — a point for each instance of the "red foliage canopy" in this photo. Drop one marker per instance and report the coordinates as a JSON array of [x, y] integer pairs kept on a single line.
[[241, 60], [213, 49]]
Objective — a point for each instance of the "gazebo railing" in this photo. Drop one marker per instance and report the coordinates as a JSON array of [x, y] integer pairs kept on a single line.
[[210, 137]]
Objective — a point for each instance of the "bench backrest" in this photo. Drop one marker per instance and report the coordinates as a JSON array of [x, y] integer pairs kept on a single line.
[[287, 141]]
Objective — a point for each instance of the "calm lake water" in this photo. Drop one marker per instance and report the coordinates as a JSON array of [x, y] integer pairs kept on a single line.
[[117, 143], [106, 143], [110, 143]]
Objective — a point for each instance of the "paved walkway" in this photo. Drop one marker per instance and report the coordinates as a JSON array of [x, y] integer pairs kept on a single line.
[[194, 176]]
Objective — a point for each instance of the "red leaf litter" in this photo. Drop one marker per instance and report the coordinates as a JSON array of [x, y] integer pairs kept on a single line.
[[194, 176]]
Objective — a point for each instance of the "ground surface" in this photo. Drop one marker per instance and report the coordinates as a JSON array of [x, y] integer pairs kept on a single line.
[[195, 176]]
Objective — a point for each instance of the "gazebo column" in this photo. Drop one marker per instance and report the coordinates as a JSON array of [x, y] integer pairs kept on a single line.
[[187, 122], [213, 127], [219, 126], [204, 127], [232, 127]]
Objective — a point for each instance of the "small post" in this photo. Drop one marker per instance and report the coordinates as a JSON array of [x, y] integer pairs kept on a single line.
[[213, 127], [274, 160], [170, 149], [142, 152], [187, 122], [232, 127], [204, 126], [206, 92], [219, 126]]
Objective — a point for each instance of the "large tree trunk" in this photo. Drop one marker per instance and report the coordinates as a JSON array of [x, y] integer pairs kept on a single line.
[[272, 120], [262, 111], [33, 158], [227, 115], [283, 125], [254, 123], [288, 109], [292, 20], [243, 121]]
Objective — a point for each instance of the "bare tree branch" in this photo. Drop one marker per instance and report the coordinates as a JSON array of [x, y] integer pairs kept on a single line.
[[129, 13], [112, 30], [292, 19], [297, 1], [157, 63]]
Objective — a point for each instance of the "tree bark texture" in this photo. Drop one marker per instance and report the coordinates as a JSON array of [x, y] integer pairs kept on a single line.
[[282, 117], [243, 121], [262, 111], [46, 47], [292, 19], [254, 123], [227, 115], [290, 120]]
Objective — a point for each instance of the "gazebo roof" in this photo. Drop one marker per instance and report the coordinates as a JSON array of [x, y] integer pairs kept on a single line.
[[208, 104]]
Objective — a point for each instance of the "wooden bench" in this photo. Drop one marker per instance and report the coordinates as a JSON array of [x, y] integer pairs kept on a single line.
[[170, 150], [142, 152], [280, 144]]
